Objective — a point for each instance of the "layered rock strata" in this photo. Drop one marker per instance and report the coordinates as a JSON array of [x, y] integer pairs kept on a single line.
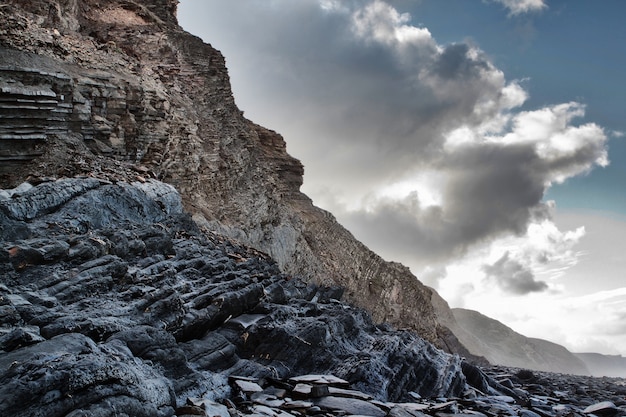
[[116, 89], [113, 302]]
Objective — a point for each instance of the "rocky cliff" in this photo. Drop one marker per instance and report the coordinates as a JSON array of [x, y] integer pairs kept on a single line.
[[117, 90], [130, 184]]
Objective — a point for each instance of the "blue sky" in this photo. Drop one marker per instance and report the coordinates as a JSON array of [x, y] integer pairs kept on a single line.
[[479, 142]]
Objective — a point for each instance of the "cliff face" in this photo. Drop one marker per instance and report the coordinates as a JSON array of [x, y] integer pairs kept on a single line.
[[116, 89]]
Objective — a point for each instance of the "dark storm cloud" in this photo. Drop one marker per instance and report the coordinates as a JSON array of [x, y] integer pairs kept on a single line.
[[452, 63], [513, 277], [401, 229], [491, 191], [494, 189]]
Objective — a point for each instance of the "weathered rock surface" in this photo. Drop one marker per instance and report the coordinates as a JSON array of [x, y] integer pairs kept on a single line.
[[113, 302], [531, 395], [115, 89]]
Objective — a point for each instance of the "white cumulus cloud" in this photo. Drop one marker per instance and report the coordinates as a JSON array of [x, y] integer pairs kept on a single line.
[[517, 7]]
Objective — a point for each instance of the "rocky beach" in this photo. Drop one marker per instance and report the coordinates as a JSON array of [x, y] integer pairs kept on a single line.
[[132, 309], [157, 257]]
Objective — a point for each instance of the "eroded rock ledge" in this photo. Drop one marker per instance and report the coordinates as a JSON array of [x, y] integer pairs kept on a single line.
[[112, 300]]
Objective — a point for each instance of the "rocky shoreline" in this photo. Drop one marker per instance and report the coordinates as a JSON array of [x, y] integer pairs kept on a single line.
[[114, 303], [533, 394], [121, 295], [112, 298]]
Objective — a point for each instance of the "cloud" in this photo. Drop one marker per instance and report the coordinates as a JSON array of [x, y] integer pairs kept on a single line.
[[596, 321], [487, 186], [359, 92], [381, 23], [517, 7], [513, 277], [592, 323], [574, 264]]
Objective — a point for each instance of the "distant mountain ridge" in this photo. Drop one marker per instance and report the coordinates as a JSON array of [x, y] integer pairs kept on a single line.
[[604, 365], [485, 339], [500, 345]]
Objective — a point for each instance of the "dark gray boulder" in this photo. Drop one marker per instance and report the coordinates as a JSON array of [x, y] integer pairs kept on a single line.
[[310, 337], [70, 374]]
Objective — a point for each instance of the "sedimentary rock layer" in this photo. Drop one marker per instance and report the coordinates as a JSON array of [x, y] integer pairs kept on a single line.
[[117, 89]]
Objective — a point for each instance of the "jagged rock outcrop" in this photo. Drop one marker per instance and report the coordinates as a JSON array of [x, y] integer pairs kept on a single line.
[[114, 302], [117, 90], [531, 395]]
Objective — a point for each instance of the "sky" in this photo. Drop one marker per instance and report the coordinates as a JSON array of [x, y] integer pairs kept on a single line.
[[479, 142]]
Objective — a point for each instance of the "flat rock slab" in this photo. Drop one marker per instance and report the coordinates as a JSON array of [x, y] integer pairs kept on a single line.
[[211, 408], [268, 400], [320, 380], [264, 411], [248, 386], [246, 320], [413, 406], [297, 405], [349, 393], [350, 406], [398, 411], [604, 408]]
